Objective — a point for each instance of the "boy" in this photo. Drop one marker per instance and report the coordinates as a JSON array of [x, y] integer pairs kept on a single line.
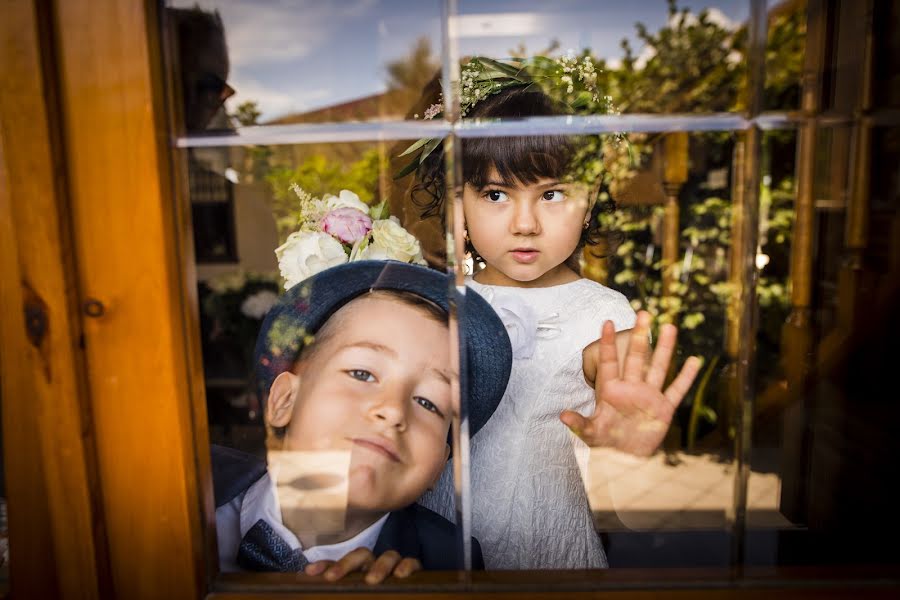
[[356, 360]]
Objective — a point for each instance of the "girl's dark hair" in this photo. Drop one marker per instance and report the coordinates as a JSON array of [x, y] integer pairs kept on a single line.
[[517, 160]]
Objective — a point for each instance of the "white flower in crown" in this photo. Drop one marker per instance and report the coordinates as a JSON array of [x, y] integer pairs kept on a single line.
[[390, 241], [306, 253], [257, 305], [345, 199]]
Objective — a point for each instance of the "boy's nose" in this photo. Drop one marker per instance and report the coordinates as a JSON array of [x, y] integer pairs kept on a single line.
[[524, 220], [391, 409]]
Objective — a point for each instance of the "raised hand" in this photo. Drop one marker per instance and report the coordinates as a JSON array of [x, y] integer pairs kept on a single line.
[[362, 559], [633, 412]]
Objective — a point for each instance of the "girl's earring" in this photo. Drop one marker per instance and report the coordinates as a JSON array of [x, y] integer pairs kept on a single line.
[[586, 224]]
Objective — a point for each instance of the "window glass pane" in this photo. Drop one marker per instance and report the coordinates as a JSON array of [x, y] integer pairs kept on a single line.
[[785, 53], [529, 202], [887, 53], [761, 246], [650, 59], [244, 62], [817, 429], [341, 380]]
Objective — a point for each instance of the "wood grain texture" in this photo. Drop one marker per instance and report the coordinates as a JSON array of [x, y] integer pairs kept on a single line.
[[125, 234], [55, 522]]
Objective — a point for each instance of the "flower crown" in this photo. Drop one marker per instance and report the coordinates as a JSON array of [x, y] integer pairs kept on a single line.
[[567, 79], [338, 229]]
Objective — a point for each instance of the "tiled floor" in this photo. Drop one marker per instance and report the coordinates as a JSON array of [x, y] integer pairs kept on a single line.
[[627, 493]]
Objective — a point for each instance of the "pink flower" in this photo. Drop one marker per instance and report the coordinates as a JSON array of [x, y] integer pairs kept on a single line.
[[347, 224]]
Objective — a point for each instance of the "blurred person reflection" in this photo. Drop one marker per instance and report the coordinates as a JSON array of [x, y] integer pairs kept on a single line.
[[202, 55]]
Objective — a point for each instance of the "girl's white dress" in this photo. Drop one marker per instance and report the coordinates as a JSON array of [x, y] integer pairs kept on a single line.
[[529, 505]]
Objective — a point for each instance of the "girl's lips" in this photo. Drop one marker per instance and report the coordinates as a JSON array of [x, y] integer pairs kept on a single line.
[[525, 255]]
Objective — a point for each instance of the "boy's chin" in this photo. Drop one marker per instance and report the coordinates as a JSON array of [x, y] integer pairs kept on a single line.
[[370, 493]]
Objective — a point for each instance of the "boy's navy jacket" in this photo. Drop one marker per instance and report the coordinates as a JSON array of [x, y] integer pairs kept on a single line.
[[413, 532]]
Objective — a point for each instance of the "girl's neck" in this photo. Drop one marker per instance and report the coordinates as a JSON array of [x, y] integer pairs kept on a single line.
[[558, 275]]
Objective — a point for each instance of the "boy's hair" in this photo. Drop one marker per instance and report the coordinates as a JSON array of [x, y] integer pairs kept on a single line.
[[331, 326], [517, 160]]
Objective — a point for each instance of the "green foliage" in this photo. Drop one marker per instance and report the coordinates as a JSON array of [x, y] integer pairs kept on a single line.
[[696, 66], [247, 113], [257, 158], [319, 176]]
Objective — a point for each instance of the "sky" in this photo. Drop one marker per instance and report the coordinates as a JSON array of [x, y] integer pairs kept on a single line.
[[298, 55]]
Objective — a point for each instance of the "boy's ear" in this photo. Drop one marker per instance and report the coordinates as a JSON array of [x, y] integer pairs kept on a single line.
[[282, 396]]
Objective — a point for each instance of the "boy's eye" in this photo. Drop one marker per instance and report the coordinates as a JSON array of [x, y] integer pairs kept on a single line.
[[428, 405], [361, 375], [554, 196], [495, 196]]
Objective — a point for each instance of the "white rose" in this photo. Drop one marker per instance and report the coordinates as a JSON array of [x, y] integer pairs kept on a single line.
[[390, 241], [257, 305], [346, 199], [306, 253]]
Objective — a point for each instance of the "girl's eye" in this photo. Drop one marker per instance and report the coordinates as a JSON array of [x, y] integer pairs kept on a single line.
[[554, 196], [428, 405], [361, 375], [495, 196]]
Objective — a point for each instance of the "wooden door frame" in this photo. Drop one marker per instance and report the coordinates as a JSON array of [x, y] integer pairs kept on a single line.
[[56, 524]]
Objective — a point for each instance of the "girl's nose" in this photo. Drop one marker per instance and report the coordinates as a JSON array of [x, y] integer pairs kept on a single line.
[[525, 220], [390, 407]]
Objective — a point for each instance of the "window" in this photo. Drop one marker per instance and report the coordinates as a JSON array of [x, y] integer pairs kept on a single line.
[[751, 205]]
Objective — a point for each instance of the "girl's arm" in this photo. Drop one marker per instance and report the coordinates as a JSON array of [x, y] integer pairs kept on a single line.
[[632, 411]]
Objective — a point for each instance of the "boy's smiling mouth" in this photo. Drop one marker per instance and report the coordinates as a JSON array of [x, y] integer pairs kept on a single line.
[[379, 445]]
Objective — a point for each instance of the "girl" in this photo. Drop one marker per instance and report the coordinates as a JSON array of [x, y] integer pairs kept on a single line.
[[527, 222]]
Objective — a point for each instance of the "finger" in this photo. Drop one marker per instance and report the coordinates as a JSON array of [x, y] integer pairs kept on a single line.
[[407, 567], [662, 356], [355, 560], [579, 425], [638, 345], [382, 567], [682, 382], [607, 357], [318, 567]]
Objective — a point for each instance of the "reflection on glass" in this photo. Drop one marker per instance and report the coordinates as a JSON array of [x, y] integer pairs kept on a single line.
[[351, 370], [688, 57], [785, 54], [329, 390], [674, 211], [659, 215], [306, 62]]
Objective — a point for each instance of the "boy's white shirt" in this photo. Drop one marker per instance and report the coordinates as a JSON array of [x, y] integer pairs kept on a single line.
[[260, 501]]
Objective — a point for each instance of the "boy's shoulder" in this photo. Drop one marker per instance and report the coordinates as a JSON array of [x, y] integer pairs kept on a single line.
[[233, 472]]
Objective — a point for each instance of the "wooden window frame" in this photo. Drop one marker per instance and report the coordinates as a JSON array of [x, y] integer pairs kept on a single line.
[[99, 334]]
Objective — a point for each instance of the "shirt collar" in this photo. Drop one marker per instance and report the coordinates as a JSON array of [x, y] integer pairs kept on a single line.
[[261, 502]]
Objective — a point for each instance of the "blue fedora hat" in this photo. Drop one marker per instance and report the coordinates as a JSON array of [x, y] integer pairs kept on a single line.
[[302, 310]]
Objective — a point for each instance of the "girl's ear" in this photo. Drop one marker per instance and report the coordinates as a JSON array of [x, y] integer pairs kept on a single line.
[[281, 400]]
